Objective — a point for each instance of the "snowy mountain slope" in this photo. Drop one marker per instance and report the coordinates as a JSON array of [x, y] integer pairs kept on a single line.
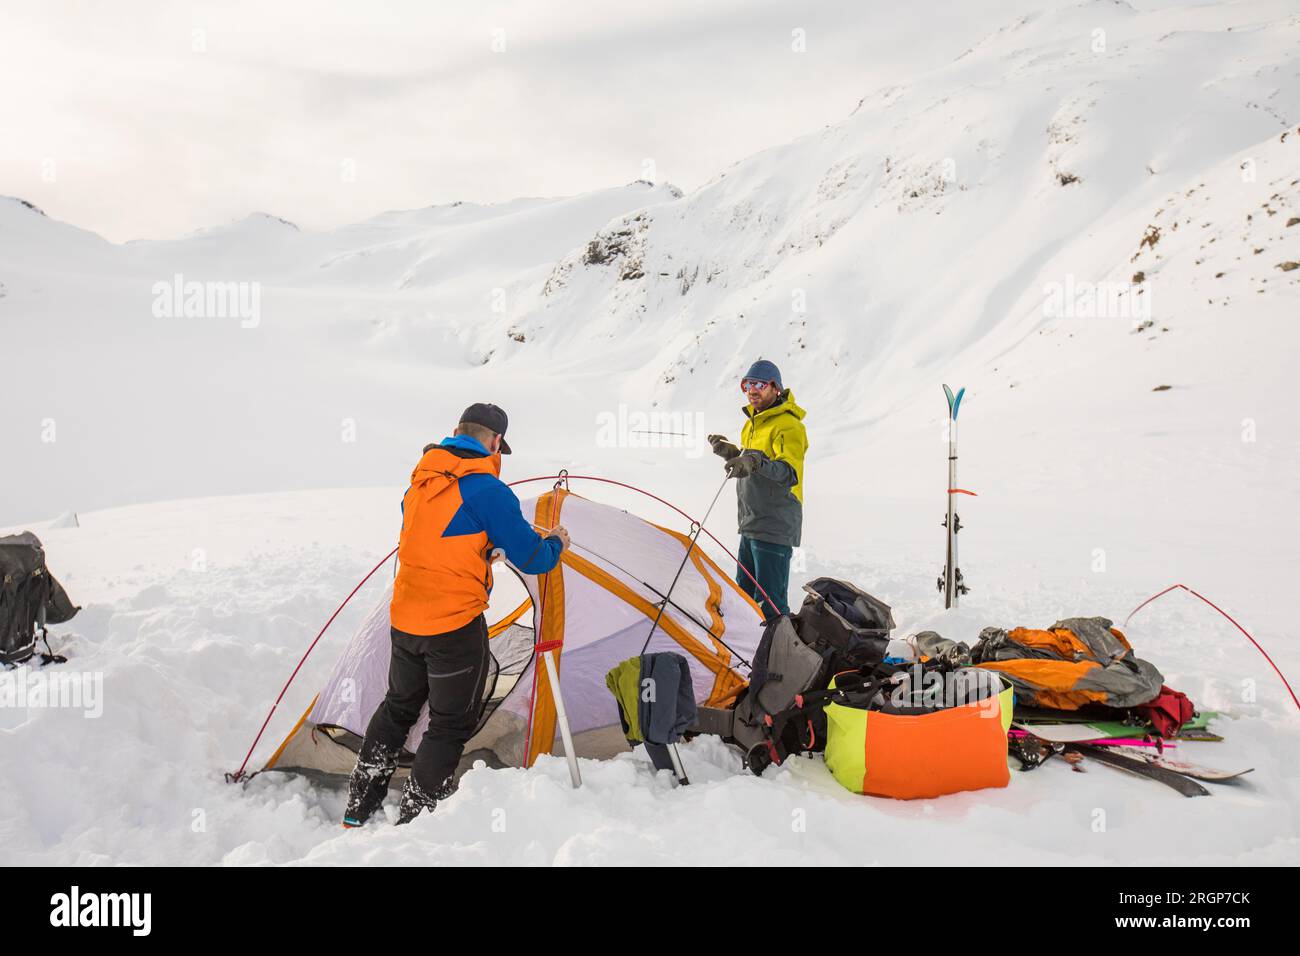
[[924, 223], [912, 241], [1168, 414], [326, 355], [507, 237]]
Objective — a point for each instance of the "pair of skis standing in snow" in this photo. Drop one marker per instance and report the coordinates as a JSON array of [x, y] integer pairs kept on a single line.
[[951, 583]]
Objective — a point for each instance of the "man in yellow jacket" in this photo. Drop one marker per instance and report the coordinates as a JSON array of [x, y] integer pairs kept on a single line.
[[768, 468]]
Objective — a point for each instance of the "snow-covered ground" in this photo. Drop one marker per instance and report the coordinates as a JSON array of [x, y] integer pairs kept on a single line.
[[196, 612], [954, 228]]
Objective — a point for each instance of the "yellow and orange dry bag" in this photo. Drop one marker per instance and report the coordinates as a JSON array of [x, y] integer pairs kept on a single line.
[[885, 740]]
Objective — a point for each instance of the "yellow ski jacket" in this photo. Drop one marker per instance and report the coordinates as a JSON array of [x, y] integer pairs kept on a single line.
[[770, 502]]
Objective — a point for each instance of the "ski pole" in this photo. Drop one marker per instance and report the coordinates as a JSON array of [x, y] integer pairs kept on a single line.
[[650, 587], [681, 567], [678, 769]]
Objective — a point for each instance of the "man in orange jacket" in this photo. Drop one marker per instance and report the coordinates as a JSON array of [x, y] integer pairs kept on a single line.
[[456, 514]]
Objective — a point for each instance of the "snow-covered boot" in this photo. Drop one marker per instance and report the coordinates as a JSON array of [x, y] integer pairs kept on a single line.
[[369, 782], [415, 799]]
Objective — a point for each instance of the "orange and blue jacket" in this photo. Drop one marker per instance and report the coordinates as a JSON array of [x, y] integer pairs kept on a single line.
[[455, 514]]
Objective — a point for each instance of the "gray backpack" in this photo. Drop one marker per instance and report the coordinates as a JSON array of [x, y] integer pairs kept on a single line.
[[839, 627], [30, 599], [784, 667]]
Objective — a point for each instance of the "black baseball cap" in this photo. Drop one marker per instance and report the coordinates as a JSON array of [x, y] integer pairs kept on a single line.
[[491, 417]]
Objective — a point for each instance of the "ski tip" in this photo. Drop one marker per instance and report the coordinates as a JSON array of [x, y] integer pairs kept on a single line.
[[956, 405], [947, 393]]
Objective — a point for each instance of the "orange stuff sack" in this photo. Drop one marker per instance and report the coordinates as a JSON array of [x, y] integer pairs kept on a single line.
[[912, 755]]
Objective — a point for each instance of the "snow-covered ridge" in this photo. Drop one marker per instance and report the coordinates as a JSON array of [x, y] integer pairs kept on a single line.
[[927, 220]]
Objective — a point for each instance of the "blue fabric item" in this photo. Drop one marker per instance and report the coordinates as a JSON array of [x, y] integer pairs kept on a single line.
[[770, 564], [464, 442], [765, 371], [488, 504], [672, 709]]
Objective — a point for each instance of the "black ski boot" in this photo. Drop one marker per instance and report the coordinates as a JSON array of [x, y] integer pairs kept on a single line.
[[415, 799], [369, 782]]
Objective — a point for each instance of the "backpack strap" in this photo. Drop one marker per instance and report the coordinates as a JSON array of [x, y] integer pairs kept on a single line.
[[49, 657], [859, 688]]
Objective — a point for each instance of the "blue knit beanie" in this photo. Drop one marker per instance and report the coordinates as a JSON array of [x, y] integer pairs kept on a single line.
[[765, 371]]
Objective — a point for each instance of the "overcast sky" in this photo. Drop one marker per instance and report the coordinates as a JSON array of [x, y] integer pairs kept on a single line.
[[151, 119]]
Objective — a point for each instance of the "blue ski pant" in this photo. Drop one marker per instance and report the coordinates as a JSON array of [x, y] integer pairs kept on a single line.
[[770, 565]]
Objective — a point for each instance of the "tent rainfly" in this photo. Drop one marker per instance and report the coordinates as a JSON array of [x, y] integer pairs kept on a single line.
[[598, 604]]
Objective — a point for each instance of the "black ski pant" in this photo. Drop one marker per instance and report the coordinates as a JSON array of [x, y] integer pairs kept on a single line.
[[448, 671]]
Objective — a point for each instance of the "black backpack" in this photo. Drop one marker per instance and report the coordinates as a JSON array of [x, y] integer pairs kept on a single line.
[[30, 599], [784, 667], [839, 628], [844, 624]]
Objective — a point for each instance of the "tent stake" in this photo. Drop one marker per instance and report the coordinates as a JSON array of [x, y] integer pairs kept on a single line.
[[565, 733], [677, 765]]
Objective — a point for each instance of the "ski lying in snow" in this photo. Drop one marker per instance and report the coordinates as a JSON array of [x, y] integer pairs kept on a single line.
[[1056, 726], [1195, 771], [1200, 736], [1080, 734], [1063, 733], [1142, 768], [1045, 715]]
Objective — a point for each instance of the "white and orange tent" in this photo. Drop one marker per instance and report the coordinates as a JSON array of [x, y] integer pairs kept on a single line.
[[594, 610]]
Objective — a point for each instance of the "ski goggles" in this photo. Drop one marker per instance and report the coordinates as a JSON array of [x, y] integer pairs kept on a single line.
[[753, 384]]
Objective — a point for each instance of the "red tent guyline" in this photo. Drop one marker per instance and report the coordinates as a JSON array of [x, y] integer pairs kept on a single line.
[[1175, 587]]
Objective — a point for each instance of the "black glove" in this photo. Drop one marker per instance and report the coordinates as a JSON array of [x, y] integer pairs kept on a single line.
[[742, 466], [723, 448]]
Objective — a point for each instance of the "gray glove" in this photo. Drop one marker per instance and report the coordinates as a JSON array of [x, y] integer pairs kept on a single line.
[[931, 644], [742, 466], [723, 448]]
